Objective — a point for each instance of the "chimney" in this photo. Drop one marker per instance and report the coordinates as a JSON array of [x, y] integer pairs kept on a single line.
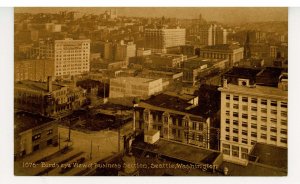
[[49, 84], [224, 83]]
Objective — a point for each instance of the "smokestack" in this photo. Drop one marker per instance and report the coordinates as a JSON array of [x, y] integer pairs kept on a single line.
[[49, 84], [224, 83]]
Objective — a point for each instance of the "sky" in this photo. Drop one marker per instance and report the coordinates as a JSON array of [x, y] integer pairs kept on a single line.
[[225, 15]]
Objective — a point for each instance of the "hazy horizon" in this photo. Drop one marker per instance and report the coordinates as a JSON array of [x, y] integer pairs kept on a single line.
[[219, 14]]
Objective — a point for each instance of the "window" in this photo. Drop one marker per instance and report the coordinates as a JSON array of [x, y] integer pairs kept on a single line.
[[273, 111], [264, 102], [245, 107], [253, 125], [36, 137], [236, 98], [245, 132], [263, 127], [254, 109], [273, 138], [254, 100], [283, 131], [226, 149], [283, 122], [253, 142], [284, 113], [227, 137], [263, 110], [283, 104], [244, 141], [263, 136], [245, 116], [235, 151], [235, 139], [200, 126], [200, 138], [273, 103], [273, 129], [179, 123], [50, 131], [235, 130], [283, 140], [245, 99], [166, 119], [244, 124], [254, 117], [227, 121], [227, 97], [273, 120], [194, 126], [236, 106], [227, 105], [235, 122], [264, 119], [227, 113], [227, 129], [244, 153], [253, 134], [235, 114]]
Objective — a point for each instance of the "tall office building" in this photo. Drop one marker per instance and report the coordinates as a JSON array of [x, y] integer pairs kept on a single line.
[[212, 34], [159, 39], [253, 111], [71, 57]]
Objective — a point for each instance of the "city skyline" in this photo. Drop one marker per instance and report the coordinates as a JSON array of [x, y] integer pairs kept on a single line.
[[230, 15]]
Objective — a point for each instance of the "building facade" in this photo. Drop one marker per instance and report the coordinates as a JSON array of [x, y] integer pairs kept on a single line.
[[46, 98], [161, 38], [34, 69], [252, 114], [233, 53], [71, 57], [33, 132], [173, 125], [134, 87]]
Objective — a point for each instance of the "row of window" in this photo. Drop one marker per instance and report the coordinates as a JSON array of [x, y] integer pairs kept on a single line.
[[235, 151], [263, 136], [263, 110], [38, 136], [255, 100], [254, 126]]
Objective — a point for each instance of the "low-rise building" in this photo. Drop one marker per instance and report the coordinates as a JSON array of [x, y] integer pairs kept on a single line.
[[33, 132], [233, 53], [47, 98], [177, 118], [134, 87]]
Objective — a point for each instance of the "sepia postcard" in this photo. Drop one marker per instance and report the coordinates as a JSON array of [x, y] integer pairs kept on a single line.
[[144, 91]]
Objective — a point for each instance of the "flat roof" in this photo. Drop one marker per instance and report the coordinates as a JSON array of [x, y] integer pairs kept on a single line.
[[172, 104], [36, 85], [264, 91], [243, 72], [270, 155], [24, 121], [134, 79], [225, 47], [180, 151]]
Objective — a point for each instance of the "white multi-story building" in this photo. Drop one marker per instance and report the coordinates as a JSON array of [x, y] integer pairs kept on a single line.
[[159, 39], [134, 87], [72, 57], [252, 113]]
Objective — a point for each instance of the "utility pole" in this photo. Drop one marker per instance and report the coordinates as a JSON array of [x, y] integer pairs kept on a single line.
[[91, 149]]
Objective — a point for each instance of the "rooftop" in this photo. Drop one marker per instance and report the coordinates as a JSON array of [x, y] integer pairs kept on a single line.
[[36, 85], [133, 79], [224, 47], [173, 104], [242, 72], [270, 155], [180, 151], [26, 121], [263, 91]]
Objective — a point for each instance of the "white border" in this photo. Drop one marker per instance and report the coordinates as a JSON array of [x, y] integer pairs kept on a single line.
[[6, 101]]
